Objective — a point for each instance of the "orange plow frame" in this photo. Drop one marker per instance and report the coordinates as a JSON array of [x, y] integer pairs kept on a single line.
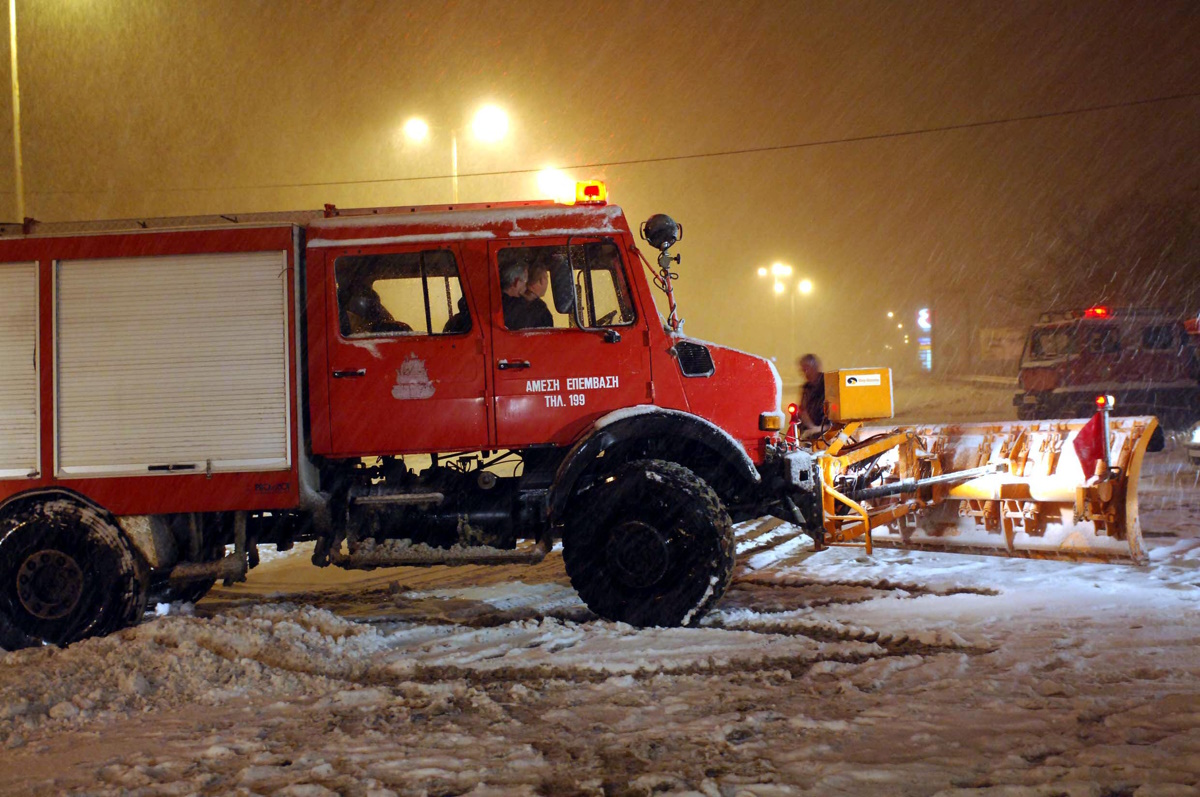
[[1026, 493]]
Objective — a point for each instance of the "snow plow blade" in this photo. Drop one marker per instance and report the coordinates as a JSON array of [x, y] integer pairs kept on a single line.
[[1012, 489]]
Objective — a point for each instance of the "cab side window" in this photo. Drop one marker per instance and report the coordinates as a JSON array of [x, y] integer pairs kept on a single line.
[[1103, 340], [400, 293], [600, 286], [1158, 337], [575, 285]]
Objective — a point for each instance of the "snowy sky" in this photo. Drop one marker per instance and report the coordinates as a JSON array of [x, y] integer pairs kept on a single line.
[[158, 108]]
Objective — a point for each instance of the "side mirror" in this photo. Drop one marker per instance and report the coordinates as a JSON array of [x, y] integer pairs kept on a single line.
[[562, 286]]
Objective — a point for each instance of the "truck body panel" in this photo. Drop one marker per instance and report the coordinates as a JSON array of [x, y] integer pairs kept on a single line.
[[188, 401]]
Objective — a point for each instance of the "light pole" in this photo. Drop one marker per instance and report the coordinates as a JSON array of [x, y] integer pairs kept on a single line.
[[781, 274], [19, 179], [490, 124]]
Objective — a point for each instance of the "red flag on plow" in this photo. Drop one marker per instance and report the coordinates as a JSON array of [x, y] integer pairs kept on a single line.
[[1089, 443]]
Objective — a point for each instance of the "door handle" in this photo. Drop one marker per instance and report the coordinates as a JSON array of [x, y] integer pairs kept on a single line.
[[507, 365], [349, 374]]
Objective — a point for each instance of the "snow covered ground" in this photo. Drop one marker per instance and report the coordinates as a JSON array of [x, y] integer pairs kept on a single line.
[[825, 674]]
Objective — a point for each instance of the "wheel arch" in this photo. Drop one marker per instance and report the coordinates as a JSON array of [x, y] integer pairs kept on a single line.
[[676, 436], [18, 500], [147, 539]]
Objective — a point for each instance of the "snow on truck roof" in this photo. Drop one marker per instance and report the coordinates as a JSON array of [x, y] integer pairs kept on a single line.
[[443, 223], [491, 220]]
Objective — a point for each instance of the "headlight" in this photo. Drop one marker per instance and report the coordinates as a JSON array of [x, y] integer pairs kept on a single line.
[[1196, 434]]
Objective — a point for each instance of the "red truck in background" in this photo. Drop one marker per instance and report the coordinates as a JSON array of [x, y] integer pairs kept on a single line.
[[1144, 358], [172, 387]]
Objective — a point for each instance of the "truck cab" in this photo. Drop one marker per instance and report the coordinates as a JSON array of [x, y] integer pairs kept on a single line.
[[1143, 358], [439, 416]]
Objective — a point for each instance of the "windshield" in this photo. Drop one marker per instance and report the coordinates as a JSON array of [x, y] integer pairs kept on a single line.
[[1049, 344]]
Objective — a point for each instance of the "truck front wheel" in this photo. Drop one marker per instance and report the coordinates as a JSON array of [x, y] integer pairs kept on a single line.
[[66, 573], [649, 545]]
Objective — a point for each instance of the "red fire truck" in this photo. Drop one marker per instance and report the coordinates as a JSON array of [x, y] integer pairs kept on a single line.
[[172, 387], [1144, 358]]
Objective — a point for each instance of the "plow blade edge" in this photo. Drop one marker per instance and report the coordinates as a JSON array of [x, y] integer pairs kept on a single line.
[[1040, 501]]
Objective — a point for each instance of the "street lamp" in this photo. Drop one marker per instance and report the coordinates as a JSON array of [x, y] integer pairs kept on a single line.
[[781, 276], [489, 125], [416, 130]]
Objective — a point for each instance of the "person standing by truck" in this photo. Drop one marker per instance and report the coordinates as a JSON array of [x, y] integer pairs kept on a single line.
[[812, 394]]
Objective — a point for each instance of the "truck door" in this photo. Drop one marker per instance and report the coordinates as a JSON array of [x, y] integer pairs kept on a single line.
[[406, 369], [555, 372]]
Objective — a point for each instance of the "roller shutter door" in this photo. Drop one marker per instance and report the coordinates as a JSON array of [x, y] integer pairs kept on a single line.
[[18, 370], [172, 364]]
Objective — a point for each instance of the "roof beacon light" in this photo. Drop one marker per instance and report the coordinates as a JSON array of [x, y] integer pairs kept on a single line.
[[1098, 311], [591, 192], [1105, 402]]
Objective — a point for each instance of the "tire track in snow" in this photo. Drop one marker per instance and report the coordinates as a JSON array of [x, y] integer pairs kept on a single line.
[[880, 584]]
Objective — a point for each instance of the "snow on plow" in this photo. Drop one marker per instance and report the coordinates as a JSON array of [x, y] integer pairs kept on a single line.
[[1012, 488]]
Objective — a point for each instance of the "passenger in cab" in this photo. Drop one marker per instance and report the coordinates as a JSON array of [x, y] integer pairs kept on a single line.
[[514, 278], [536, 313], [460, 321]]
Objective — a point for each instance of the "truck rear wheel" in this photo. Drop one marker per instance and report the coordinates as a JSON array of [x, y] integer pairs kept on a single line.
[[66, 573], [650, 545]]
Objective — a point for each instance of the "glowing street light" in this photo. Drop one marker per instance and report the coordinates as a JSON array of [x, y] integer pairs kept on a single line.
[[489, 125], [416, 130], [781, 275], [891, 314]]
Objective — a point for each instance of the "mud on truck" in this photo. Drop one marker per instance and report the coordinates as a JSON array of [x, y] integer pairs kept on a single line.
[[176, 392]]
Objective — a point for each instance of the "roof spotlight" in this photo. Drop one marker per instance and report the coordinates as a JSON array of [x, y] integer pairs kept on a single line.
[[661, 231]]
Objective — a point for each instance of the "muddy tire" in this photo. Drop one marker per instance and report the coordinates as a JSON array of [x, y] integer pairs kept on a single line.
[[66, 573], [650, 545]]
